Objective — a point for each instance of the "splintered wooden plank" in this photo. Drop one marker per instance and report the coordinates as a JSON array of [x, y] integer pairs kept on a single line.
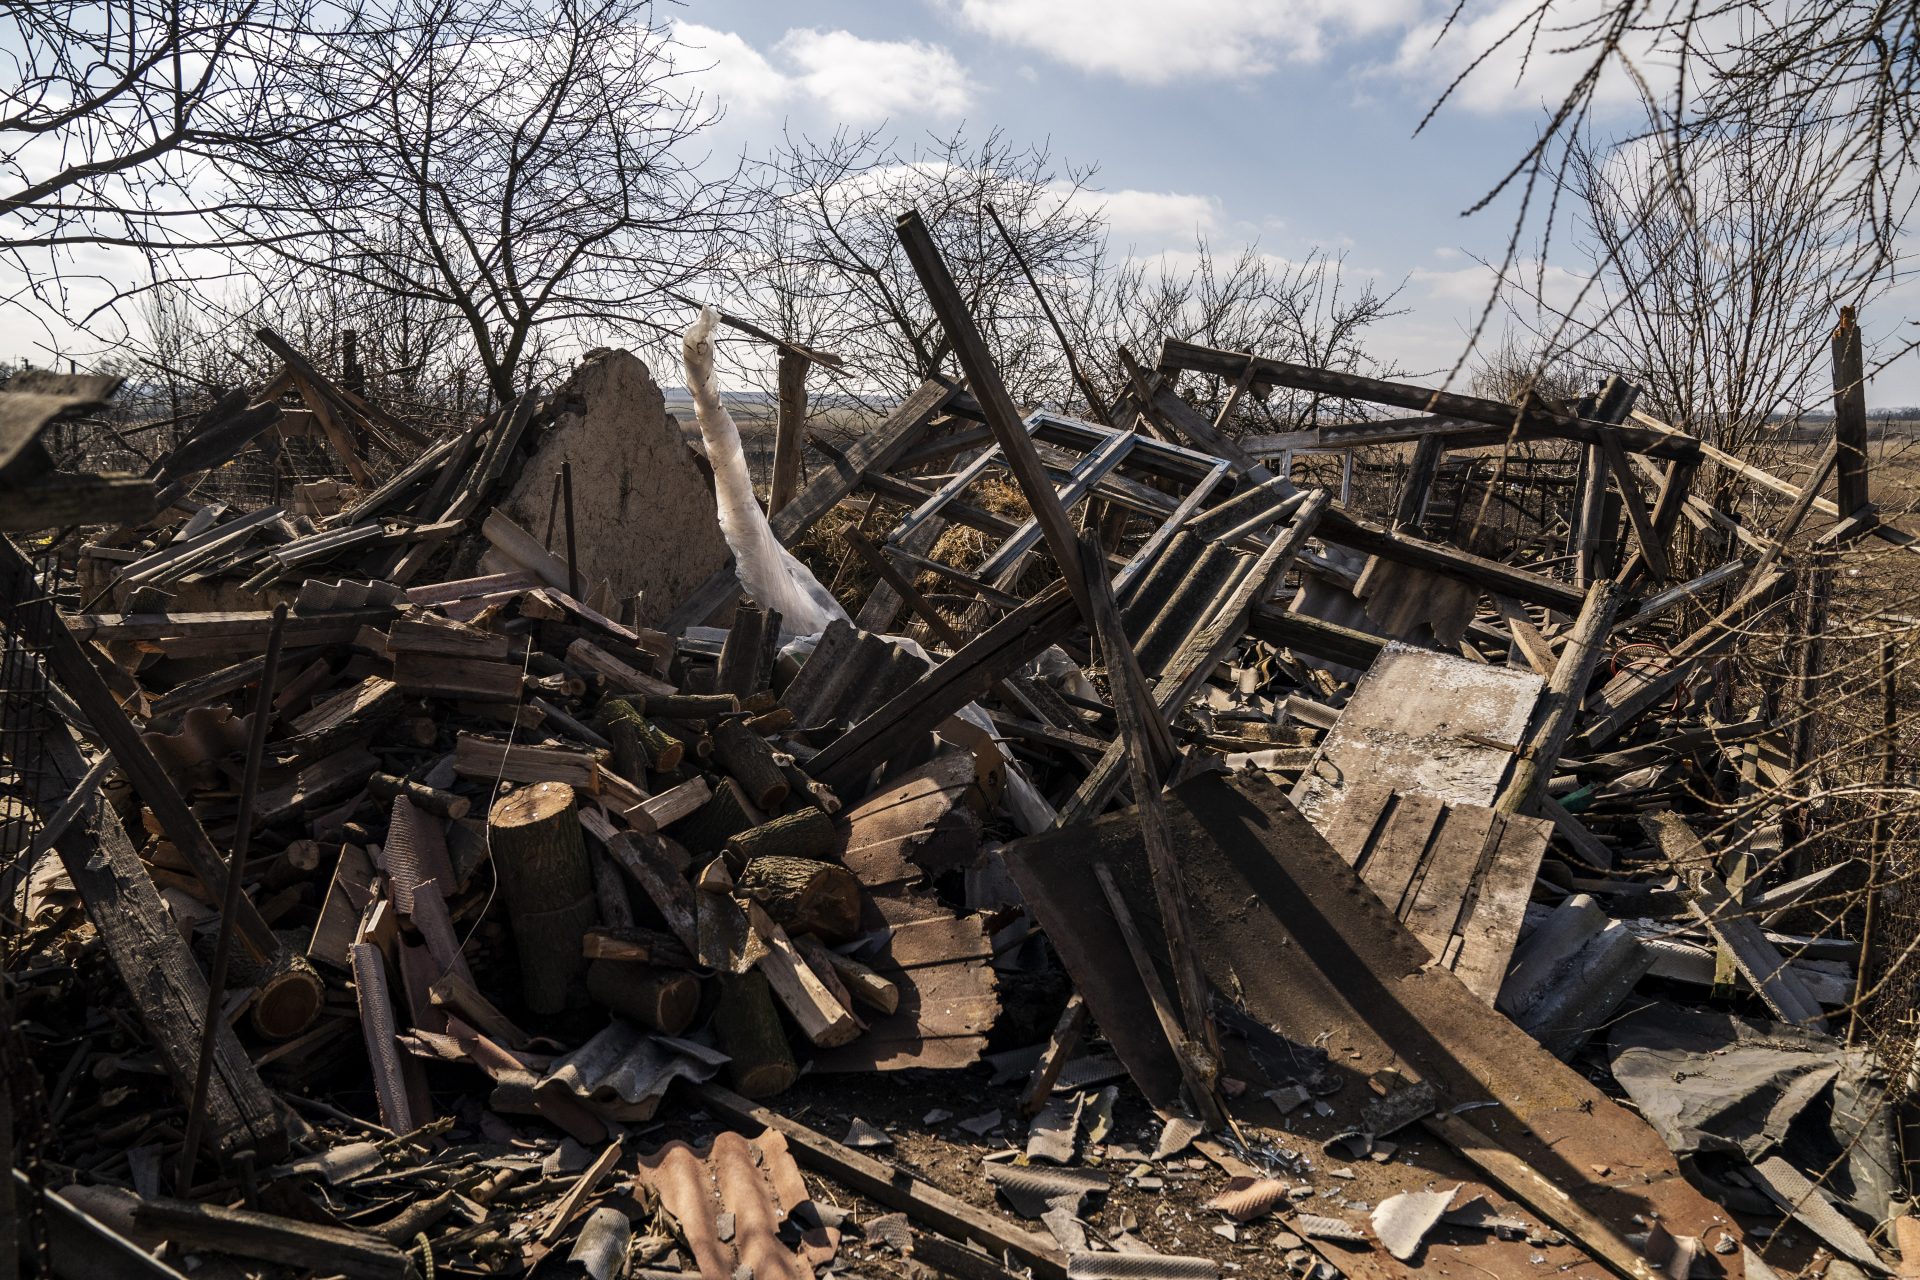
[[1395, 857], [1758, 960], [1439, 896], [1487, 933]]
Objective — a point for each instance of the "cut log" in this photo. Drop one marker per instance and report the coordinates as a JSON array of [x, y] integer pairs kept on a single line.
[[726, 813], [662, 999], [444, 676], [807, 833], [476, 757], [862, 983], [623, 676], [289, 993], [690, 706], [746, 756], [542, 861], [748, 1028], [819, 1015], [681, 801], [665, 884], [442, 804], [805, 896], [660, 750]]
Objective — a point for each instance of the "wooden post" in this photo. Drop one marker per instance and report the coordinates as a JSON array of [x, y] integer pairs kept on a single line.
[[1876, 840], [573, 559], [983, 378], [1850, 413], [1198, 1048], [230, 896], [1560, 706], [789, 427], [542, 860], [1427, 454]]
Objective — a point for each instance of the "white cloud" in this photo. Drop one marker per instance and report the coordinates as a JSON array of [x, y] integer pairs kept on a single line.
[[1149, 42], [1522, 66], [863, 80], [1153, 217], [856, 80], [729, 68]]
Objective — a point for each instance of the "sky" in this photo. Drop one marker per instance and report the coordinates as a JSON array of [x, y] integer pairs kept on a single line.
[[1290, 123]]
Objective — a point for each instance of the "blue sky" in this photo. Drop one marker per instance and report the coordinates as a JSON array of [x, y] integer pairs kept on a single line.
[[1289, 122]]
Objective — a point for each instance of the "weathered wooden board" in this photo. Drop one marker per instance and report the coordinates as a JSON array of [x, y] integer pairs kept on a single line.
[[1425, 723], [1458, 876]]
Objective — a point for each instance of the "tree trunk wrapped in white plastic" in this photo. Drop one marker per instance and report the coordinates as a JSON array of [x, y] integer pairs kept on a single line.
[[767, 570]]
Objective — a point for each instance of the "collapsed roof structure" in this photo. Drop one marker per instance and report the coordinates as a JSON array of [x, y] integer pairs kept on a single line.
[[459, 869]]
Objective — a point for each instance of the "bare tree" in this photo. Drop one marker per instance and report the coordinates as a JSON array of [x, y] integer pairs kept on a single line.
[[1303, 311], [1711, 293], [530, 165], [1771, 73], [825, 267], [118, 119], [1515, 368]]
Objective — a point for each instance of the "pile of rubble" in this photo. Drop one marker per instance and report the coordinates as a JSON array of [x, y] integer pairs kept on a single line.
[[467, 872]]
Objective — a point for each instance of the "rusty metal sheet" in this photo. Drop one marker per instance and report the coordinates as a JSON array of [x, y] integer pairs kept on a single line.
[[730, 1201], [1308, 950]]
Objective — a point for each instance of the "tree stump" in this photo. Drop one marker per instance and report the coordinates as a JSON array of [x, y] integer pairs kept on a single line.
[[548, 886]]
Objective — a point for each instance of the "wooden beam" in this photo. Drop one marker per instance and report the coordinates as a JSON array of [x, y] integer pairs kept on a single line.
[[790, 423], [1196, 659], [983, 379], [1348, 530], [303, 1246], [1535, 419], [1192, 1038], [1634, 691], [1559, 705], [1427, 455], [1758, 960], [1159, 402], [1653, 547]]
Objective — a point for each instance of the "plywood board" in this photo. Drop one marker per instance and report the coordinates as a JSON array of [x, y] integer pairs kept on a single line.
[[1422, 722]]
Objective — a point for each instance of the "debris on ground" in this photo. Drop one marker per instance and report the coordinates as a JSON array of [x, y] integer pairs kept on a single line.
[[511, 857]]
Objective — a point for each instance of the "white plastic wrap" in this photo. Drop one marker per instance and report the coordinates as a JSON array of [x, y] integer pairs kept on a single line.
[[766, 569]]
